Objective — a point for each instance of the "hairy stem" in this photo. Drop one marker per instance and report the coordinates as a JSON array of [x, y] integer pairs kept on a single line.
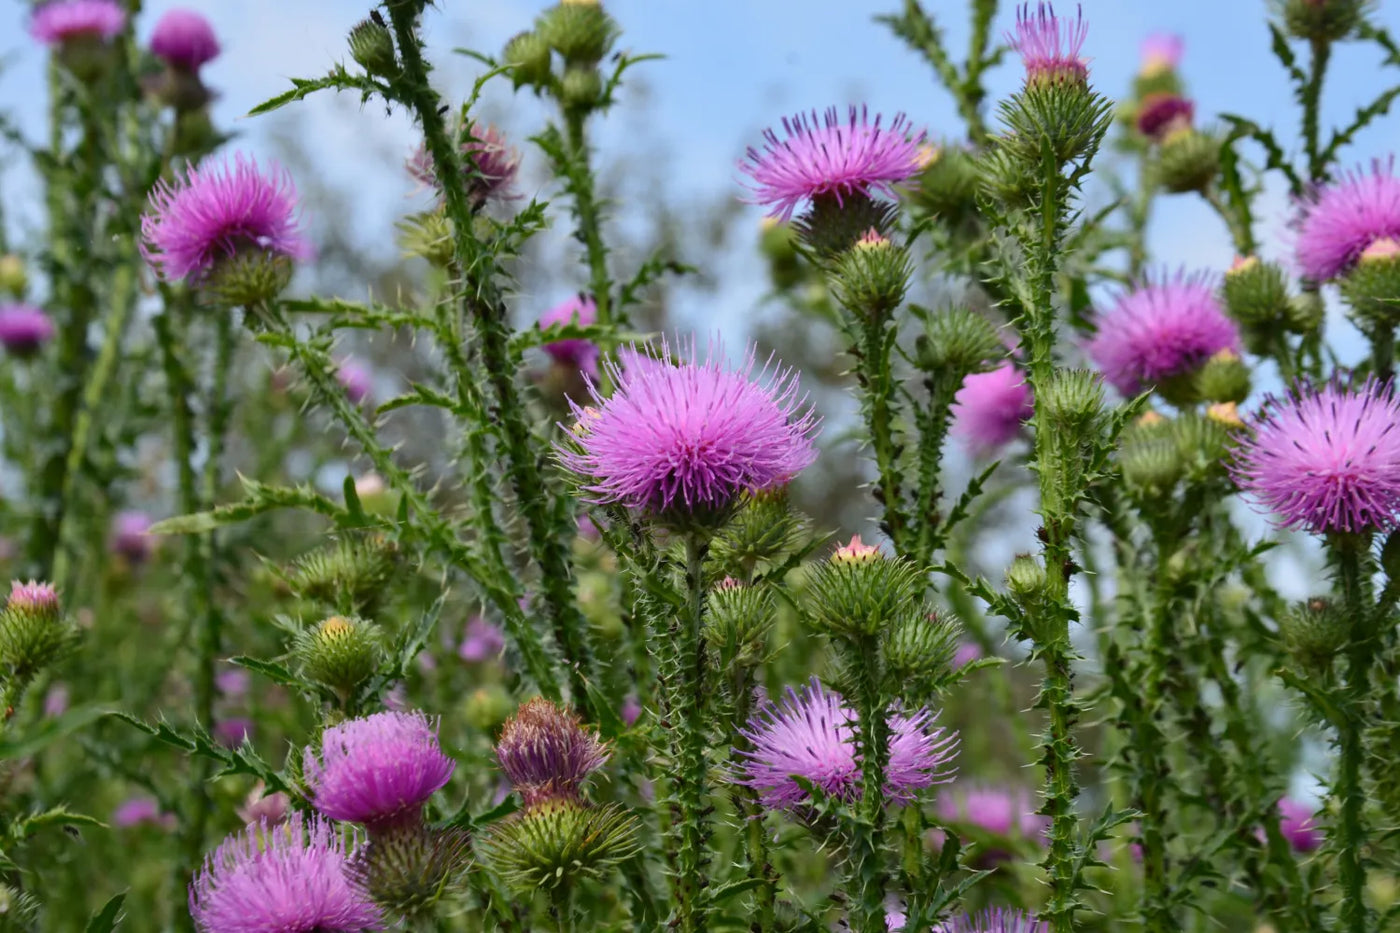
[[590, 223], [1312, 108], [1348, 831], [869, 874], [876, 379]]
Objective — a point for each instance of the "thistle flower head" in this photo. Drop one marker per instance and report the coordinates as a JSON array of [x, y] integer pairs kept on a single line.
[[811, 735], [855, 551], [1326, 460], [216, 211], [989, 409], [355, 378], [1338, 221], [546, 753], [996, 810], [1297, 825], [830, 156], [59, 21], [1159, 330], [184, 39], [33, 597], [1049, 47], [374, 769], [129, 536], [24, 328], [1161, 114], [281, 879], [482, 641], [580, 354], [691, 437], [993, 920], [489, 164], [1161, 53], [134, 811]]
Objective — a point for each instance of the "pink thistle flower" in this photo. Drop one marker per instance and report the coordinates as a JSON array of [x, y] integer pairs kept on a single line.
[[137, 810], [694, 435], [59, 21], [1296, 824], [993, 920], [24, 329], [1161, 52], [1159, 330], [831, 156], [994, 810], [377, 768], [631, 710], [234, 731], [262, 807], [56, 700], [490, 164], [1162, 114], [1049, 47], [33, 597], [482, 641], [217, 210], [183, 39], [811, 735], [233, 682], [990, 407], [291, 878], [545, 752], [579, 354], [1338, 221], [1326, 461], [129, 536], [356, 379], [968, 651]]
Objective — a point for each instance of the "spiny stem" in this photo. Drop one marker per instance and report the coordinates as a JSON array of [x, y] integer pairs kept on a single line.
[[590, 226], [690, 832], [1352, 556], [873, 372], [870, 875], [1312, 107]]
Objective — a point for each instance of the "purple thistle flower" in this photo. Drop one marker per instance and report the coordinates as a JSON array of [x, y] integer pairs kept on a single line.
[[233, 682], [995, 810], [1049, 47], [1338, 221], [482, 641], [484, 149], [33, 597], [137, 810], [631, 710], [811, 735], [1159, 330], [993, 920], [129, 536], [184, 39], [1161, 52], [234, 731], [285, 879], [56, 700], [24, 329], [61, 20], [262, 807], [968, 651], [545, 752], [355, 378], [579, 354], [217, 210], [1327, 460], [1296, 824], [377, 768], [831, 156], [990, 407], [694, 435], [1160, 115]]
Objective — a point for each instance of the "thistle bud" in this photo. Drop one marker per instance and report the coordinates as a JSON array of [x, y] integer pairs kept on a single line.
[[1025, 578], [579, 30], [488, 708], [1001, 175], [765, 530], [958, 342], [830, 228], [546, 753], [856, 552], [870, 278], [340, 653], [372, 46], [352, 571], [1073, 398], [946, 185], [779, 244], [738, 619], [530, 55], [1256, 295], [559, 842], [427, 235], [1224, 378], [408, 866], [33, 631], [14, 280], [1313, 632], [1200, 443], [1306, 313], [919, 648], [1226, 414], [246, 277], [581, 89], [1372, 288], [860, 593], [1323, 20], [1187, 160], [1151, 463]]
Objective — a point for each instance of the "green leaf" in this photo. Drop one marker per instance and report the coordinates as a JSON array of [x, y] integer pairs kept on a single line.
[[274, 672], [54, 816], [734, 889], [49, 731], [106, 919]]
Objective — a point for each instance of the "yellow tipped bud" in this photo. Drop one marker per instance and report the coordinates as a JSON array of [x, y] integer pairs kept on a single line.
[[856, 552]]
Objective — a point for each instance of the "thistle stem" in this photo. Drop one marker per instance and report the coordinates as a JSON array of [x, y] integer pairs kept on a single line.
[[873, 372], [1312, 107], [869, 873], [590, 225], [1348, 831]]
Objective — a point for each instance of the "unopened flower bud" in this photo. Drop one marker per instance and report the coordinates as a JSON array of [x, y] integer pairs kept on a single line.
[[737, 621], [946, 185], [1026, 578], [14, 280], [1224, 378], [764, 531], [870, 278], [579, 30], [546, 753], [957, 341], [860, 593], [33, 632], [1151, 463], [1187, 160], [1313, 632], [408, 866], [529, 53], [1306, 312], [920, 647], [248, 276], [559, 842], [1256, 295], [340, 653], [372, 45], [1372, 287], [581, 89], [779, 245], [1323, 20], [856, 552], [1225, 413], [1073, 398]]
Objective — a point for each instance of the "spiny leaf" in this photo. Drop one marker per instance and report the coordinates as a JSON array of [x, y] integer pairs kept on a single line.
[[106, 919]]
